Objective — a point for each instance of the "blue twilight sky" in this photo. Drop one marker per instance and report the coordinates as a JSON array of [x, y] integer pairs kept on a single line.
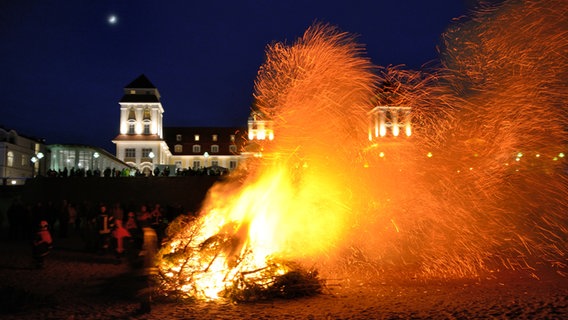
[[63, 64]]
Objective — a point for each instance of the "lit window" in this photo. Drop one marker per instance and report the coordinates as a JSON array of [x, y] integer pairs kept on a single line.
[[132, 91], [214, 137], [233, 148], [146, 114], [129, 153], [10, 160], [178, 137], [146, 152], [196, 148], [233, 137], [214, 148], [131, 115], [178, 148], [196, 137]]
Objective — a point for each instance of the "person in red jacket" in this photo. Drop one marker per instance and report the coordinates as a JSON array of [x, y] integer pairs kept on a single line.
[[42, 244]]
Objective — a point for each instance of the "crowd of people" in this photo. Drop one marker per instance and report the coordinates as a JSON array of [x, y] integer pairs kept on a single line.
[[130, 231], [129, 172], [115, 228]]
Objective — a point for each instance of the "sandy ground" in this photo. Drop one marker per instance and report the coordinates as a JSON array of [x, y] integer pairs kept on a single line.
[[79, 285]]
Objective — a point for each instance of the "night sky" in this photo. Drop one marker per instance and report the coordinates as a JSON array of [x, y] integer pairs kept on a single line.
[[63, 63]]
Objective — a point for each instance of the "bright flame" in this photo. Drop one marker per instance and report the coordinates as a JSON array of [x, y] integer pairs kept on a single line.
[[321, 194]]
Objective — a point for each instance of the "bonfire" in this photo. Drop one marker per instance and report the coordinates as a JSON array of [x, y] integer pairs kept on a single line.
[[479, 186]]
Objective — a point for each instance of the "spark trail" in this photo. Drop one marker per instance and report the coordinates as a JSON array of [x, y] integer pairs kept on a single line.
[[480, 185]]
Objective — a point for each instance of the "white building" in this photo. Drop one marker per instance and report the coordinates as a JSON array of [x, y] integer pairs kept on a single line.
[[21, 157], [390, 121], [140, 142], [144, 143]]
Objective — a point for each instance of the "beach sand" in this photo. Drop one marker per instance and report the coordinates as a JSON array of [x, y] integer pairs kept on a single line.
[[79, 285]]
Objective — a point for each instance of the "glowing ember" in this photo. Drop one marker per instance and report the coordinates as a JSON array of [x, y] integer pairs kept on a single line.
[[478, 186]]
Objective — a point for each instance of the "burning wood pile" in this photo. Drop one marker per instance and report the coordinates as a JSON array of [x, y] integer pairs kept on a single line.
[[196, 264]]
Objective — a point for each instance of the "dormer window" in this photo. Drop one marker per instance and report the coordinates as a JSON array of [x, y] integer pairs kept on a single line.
[[178, 137], [214, 137], [232, 138], [131, 115], [147, 116], [132, 91], [214, 148], [196, 137]]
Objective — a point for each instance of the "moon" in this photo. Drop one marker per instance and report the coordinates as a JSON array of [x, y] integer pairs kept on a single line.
[[112, 19]]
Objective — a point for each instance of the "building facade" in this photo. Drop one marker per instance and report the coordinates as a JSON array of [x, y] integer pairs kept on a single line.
[[390, 121], [86, 160], [21, 157], [145, 144], [140, 142]]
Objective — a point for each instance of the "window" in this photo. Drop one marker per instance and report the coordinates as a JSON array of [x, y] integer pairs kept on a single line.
[[233, 148], [215, 163], [131, 127], [10, 160], [178, 164], [232, 164], [132, 91], [214, 148], [196, 137], [146, 114], [129, 153], [178, 137], [214, 137], [146, 128], [24, 161], [196, 164], [196, 148], [233, 138], [131, 114], [178, 148], [146, 152]]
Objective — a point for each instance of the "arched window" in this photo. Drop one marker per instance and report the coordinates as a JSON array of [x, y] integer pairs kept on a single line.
[[196, 148], [147, 116], [131, 115], [178, 148]]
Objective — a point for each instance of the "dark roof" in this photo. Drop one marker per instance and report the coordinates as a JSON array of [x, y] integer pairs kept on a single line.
[[205, 139], [139, 98], [141, 83]]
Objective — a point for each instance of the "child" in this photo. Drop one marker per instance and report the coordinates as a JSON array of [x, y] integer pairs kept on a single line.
[[42, 244]]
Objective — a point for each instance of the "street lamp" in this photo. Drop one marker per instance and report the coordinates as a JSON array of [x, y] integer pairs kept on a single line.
[[96, 155], [35, 160], [206, 155]]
